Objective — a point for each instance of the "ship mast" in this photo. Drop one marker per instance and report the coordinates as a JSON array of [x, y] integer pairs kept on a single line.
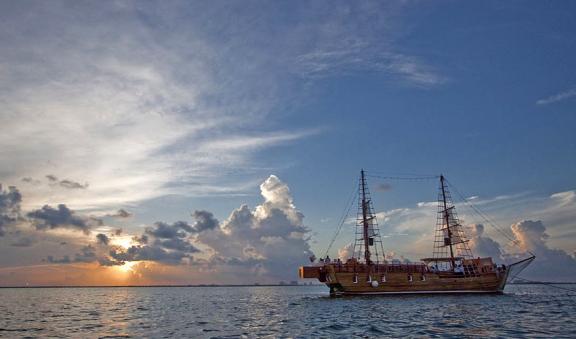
[[450, 243], [367, 243], [447, 219], [365, 220]]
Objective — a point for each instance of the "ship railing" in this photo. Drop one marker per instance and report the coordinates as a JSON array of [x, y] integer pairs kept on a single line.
[[380, 268]]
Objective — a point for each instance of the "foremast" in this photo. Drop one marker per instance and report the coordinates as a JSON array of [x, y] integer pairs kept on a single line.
[[447, 220], [365, 219]]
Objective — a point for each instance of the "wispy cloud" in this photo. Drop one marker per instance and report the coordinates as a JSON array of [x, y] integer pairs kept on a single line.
[[132, 98], [558, 97]]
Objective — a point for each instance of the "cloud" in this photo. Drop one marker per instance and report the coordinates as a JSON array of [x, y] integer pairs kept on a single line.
[[122, 213], [54, 181], [346, 252], [138, 110], [102, 239], [483, 246], [558, 97], [61, 217], [268, 241], [9, 207], [163, 230], [204, 221], [23, 242], [551, 264], [72, 184], [87, 254], [147, 253]]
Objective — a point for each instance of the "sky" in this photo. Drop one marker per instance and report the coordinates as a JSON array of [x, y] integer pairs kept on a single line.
[[193, 142]]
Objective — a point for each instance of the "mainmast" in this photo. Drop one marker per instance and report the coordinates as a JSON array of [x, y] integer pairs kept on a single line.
[[450, 243], [447, 219], [365, 220]]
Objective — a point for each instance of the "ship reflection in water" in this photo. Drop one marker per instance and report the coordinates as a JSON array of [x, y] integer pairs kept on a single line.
[[294, 311]]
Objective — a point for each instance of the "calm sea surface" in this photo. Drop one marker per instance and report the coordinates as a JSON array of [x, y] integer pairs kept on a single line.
[[299, 311]]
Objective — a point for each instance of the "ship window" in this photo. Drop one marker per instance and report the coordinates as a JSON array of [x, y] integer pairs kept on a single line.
[[355, 279], [409, 277]]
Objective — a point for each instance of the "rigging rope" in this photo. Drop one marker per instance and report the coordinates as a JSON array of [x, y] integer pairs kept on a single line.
[[547, 284], [343, 218], [500, 229], [410, 178]]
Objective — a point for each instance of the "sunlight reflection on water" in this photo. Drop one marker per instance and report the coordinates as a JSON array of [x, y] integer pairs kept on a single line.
[[211, 312]]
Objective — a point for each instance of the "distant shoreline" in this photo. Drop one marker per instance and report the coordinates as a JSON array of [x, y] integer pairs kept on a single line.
[[251, 285]]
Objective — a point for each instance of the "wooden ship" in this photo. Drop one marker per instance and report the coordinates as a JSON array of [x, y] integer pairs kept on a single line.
[[451, 269]]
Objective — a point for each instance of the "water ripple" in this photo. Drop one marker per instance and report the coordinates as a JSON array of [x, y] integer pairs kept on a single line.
[[285, 312]]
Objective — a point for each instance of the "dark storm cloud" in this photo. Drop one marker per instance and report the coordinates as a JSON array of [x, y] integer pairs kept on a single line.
[[204, 221], [87, 254], [149, 253], [176, 244], [162, 230], [142, 240], [9, 207], [62, 217], [102, 239], [163, 242], [106, 261]]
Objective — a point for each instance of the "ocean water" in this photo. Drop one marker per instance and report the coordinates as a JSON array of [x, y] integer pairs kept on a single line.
[[293, 311]]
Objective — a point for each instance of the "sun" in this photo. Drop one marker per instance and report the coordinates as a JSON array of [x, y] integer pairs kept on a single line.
[[127, 267], [123, 241]]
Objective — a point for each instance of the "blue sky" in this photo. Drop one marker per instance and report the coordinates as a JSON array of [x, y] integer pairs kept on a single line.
[[166, 108]]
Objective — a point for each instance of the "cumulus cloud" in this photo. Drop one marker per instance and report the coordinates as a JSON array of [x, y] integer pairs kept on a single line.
[[9, 207], [482, 245], [204, 221], [269, 240], [551, 264], [346, 252], [61, 217]]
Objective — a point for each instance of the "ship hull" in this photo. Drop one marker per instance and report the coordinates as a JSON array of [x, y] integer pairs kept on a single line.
[[344, 282], [417, 292], [398, 283]]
